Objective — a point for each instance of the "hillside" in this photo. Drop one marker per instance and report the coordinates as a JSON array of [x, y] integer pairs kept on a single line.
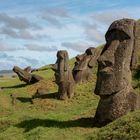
[[47, 118]]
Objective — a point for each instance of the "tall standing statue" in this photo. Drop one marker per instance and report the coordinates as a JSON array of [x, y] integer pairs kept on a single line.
[[63, 76], [26, 76], [114, 72], [84, 64]]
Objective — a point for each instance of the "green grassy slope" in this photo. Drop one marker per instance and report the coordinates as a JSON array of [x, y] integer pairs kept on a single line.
[[52, 119]]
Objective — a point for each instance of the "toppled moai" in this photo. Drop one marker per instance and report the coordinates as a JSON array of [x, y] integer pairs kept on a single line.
[[115, 63], [63, 76], [26, 76], [84, 64]]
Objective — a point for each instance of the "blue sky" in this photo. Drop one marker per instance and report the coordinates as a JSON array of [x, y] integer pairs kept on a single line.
[[32, 31]]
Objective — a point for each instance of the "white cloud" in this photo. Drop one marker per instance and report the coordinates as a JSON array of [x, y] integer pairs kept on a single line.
[[21, 34], [5, 47], [16, 22], [107, 17], [40, 48], [55, 16], [77, 46], [93, 33]]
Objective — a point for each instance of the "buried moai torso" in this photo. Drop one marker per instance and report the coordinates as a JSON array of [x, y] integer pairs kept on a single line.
[[26, 76], [63, 76], [114, 73], [82, 70]]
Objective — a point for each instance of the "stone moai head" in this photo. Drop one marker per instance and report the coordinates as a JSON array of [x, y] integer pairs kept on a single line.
[[63, 76], [62, 60], [23, 75], [84, 63], [61, 66], [84, 60], [94, 54], [26, 76], [115, 61]]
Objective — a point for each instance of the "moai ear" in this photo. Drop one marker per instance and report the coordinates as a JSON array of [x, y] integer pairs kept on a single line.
[[65, 61], [134, 57]]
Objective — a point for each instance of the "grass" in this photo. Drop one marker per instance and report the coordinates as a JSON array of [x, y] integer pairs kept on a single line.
[[52, 119]]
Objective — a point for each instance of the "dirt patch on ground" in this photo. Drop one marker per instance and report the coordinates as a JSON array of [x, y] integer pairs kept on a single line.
[[46, 85]]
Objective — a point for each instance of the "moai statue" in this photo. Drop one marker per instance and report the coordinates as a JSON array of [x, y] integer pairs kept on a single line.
[[25, 76], [114, 73], [84, 64], [63, 76]]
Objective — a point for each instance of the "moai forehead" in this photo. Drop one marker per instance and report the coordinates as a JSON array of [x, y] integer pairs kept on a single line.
[[62, 54], [123, 29]]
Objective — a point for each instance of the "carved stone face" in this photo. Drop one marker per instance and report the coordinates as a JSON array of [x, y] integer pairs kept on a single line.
[[114, 62], [23, 75], [62, 60], [83, 60]]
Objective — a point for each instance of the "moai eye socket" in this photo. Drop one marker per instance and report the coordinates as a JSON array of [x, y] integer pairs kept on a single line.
[[116, 34], [90, 51]]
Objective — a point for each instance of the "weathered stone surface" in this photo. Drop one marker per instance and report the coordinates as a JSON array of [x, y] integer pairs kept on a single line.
[[84, 64], [136, 53], [28, 69], [114, 73], [25, 76], [63, 76]]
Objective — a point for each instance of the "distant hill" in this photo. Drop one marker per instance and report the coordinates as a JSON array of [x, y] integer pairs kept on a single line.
[[6, 72]]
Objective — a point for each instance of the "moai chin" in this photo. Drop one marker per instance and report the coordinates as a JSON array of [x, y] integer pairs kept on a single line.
[[63, 76], [114, 73], [84, 64]]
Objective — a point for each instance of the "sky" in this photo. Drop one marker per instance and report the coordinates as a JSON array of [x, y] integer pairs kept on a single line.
[[32, 31]]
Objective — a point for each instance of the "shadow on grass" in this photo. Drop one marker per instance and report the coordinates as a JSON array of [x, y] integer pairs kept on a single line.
[[24, 99], [16, 86], [48, 95], [45, 96], [34, 123]]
